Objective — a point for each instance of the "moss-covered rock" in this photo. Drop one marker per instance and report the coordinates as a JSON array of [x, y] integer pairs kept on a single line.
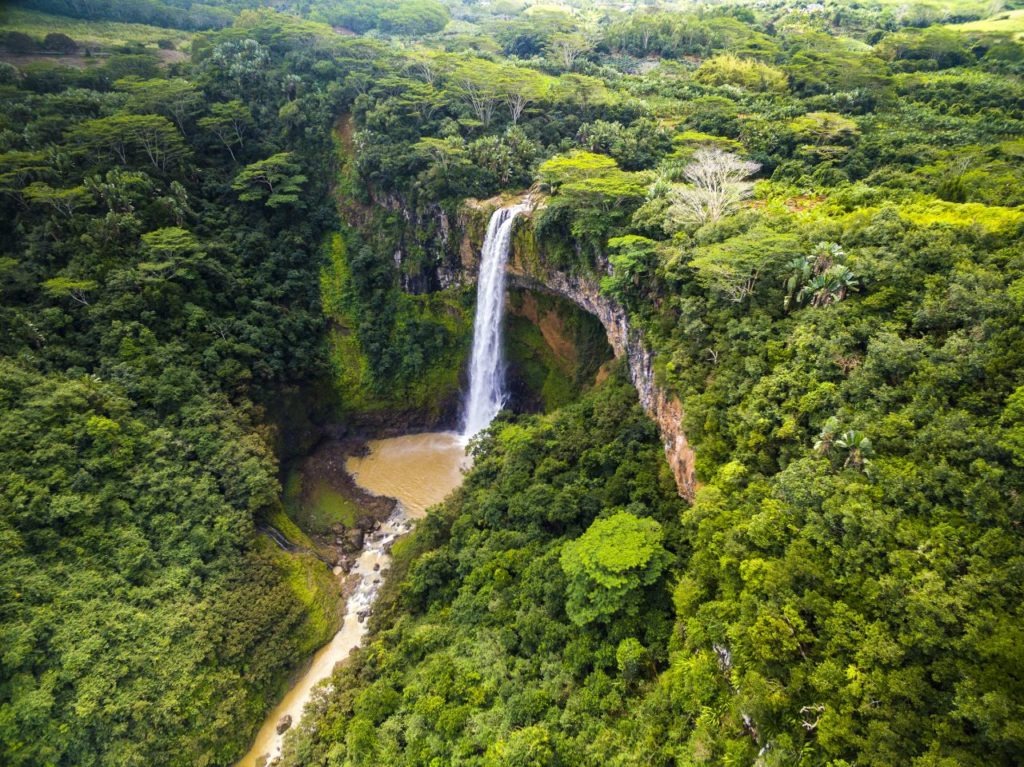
[[415, 379]]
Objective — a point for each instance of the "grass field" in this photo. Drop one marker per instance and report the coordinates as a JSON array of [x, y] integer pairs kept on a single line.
[[93, 34], [1006, 22]]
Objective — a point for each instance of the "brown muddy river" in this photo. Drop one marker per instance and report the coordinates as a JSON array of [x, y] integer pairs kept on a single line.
[[419, 470]]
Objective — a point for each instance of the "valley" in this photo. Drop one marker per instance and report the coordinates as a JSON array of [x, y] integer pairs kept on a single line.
[[511, 384]]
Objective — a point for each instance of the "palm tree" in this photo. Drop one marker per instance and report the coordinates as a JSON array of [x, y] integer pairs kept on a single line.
[[823, 446], [830, 286], [799, 272], [857, 446], [820, 276]]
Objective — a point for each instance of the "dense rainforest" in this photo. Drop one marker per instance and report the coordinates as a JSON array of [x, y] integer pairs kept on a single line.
[[226, 225]]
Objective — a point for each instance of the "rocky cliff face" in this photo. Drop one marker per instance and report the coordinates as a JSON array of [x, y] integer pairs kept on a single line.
[[529, 269]]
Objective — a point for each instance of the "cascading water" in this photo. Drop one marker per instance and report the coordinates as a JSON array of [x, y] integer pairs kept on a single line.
[[486, 367]]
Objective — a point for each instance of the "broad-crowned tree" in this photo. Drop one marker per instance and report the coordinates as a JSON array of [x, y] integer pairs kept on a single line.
[[275, 180], [610, 564], [717, 185]]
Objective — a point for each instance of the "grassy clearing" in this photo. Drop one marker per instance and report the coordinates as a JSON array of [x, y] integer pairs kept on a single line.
[[979, 7], [103, 34], [1006, 22], [319, 509]]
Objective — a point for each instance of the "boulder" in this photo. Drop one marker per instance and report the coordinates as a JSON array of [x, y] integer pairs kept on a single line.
[[284, 723]]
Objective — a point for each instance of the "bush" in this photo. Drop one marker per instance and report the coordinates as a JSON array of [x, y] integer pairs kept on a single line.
[[57, 41], [18, 42]]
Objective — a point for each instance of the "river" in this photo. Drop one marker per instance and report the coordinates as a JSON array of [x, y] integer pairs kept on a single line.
[[419, 470]]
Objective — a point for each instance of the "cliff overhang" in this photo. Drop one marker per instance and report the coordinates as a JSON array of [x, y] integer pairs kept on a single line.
[[529, 269]]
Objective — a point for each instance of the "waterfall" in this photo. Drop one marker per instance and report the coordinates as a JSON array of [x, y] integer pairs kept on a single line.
[[486, 367]]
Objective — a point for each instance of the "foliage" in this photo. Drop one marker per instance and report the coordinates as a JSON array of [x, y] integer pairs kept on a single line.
[[408, 17], [749, 74], [843, 338], [594, 189], [474, 649], [608, 563], [94, 34], [734, 267], [145, 313], [274, 180]]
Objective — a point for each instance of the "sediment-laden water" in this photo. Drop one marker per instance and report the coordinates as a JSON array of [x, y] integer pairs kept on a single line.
[[419, 470]]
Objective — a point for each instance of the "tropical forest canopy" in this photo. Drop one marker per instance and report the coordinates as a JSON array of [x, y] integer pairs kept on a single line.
[[223, 221]]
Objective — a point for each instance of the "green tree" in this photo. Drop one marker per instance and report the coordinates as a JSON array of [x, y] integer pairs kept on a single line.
[[153, 137], [734, 267], [64, 201], [229, 122], [632, 659], [275, 180], [574, 167], [58, 41], [176, 98], [632, 260], [170, 245], [830, 133], [75, 289], [614, 559], [745, 73], [820, 276], [569, 47]]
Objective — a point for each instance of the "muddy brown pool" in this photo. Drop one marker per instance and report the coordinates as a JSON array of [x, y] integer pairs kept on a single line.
[[420, 470]]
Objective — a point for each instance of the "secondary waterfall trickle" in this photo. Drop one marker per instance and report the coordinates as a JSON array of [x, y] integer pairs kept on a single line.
[[486, 367]]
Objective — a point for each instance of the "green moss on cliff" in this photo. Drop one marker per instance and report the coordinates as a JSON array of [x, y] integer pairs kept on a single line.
[[539, 372], [409, 359], [316, 590], [526, 248]]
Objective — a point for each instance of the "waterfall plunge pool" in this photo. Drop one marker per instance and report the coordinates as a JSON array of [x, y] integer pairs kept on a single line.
[[419, 470]]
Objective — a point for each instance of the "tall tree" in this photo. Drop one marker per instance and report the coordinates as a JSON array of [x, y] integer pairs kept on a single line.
[[718, 183], [275, 180]]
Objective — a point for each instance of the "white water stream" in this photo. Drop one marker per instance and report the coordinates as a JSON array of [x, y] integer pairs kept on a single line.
[[486, 367]]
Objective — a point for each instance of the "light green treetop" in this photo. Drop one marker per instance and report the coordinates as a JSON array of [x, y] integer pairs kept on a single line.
[[275, 180], [614, 558]]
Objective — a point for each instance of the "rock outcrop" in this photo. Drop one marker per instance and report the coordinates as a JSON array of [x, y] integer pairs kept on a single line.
[[529, 269]]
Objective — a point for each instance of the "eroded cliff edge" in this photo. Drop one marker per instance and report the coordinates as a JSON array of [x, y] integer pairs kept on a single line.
[[528, 268]]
